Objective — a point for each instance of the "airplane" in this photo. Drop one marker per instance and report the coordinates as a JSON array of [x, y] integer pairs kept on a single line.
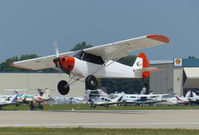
[[105, 101], [140, 99], [40, 98], [193, 98], [98, 62], [8, 100], [18, 98], [176, 100]]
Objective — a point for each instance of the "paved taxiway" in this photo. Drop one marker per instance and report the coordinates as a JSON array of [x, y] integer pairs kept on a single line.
[[102, 119]]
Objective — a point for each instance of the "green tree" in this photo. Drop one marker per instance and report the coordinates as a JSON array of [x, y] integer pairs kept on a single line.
[[81, 46], [191, 57]]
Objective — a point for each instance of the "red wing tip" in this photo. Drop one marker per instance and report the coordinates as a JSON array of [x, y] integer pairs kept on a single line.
[[159, 38], [17, 66]]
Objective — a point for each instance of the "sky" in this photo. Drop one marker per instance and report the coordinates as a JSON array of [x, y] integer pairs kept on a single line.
[[31, 26]]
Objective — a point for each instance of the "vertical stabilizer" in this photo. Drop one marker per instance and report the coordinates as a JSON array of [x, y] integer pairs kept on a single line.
[[141, 62]]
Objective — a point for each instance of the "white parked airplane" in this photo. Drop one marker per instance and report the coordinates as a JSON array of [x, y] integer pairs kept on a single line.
[[98, 62], [179, 100], [194, 98], [143, 98], [106, 101]]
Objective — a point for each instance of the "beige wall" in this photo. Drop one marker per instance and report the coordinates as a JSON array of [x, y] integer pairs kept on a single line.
[[178, 81], [38, 80]]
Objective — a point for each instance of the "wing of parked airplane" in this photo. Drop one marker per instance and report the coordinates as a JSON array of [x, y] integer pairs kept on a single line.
[[107, 52]]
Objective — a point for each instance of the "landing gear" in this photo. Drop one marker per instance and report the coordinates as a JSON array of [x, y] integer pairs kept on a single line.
[[63, 87], [91, 82]]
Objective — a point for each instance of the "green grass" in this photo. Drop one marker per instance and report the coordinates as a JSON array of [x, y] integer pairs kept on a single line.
[[87, 107], [94, 131]]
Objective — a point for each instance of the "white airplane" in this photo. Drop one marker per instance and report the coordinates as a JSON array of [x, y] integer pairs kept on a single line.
[[40, 98], [143, 98], [5, 101], [98, 62], [179, 100], [194, 98], [106, 101]]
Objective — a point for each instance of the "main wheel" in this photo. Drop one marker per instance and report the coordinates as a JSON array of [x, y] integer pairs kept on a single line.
[[91, 82], [63, 87]]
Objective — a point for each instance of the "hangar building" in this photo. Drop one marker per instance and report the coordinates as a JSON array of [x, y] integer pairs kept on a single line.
[[29, 82], [177, 76]]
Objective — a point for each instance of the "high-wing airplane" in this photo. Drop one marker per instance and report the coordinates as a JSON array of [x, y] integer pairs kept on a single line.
[[40, 98], [143, 98], [106, 101], [12, 99], [98, 62]]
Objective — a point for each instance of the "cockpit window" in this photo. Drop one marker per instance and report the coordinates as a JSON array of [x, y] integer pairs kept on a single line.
[[89, 57], [79, 54]]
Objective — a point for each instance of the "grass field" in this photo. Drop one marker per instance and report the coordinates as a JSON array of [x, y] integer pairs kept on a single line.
[[87, 107], [94, 131]]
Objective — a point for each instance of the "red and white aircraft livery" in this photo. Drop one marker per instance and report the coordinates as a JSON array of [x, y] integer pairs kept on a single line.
[[98, 62]]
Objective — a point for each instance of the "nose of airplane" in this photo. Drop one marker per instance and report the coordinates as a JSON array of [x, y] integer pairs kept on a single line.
[[67, 63]]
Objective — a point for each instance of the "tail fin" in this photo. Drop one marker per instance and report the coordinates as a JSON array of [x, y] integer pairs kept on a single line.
[[188, 94], [194, 94], [102, 93], [44, 93], [140, 63], [118, 98], [143, 91]]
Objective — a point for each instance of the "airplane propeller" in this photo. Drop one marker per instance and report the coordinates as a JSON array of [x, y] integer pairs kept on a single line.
[[57, 59]]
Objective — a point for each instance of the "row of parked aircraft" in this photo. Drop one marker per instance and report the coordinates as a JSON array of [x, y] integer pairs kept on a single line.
[[100, 98], [104, 99], [17, 98]]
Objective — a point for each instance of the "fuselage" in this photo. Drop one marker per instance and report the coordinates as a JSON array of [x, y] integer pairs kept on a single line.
[[110, 69]]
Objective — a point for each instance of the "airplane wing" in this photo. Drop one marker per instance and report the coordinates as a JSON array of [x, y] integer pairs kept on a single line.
[[110, 51], [39, 63], [120, 49]]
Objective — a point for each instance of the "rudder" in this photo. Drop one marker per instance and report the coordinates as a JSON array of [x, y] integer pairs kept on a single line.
[[142, 62]]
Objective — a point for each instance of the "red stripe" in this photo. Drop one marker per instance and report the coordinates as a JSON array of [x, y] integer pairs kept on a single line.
[[159, 38]]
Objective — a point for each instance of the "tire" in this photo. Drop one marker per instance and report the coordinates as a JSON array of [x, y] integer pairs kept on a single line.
[[91, 82], [63, 87]]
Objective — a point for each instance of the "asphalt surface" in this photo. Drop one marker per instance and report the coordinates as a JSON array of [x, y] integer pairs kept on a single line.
[[102, 119]]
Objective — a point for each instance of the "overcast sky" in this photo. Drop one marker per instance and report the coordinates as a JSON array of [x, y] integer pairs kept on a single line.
[[30, 26]]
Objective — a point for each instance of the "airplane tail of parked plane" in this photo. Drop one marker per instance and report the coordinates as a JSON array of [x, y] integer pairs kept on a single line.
[[188, 94], [141, 66], [194, 94], [44, 93]]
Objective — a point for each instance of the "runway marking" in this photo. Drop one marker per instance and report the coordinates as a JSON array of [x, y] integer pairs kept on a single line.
[[96, 124]]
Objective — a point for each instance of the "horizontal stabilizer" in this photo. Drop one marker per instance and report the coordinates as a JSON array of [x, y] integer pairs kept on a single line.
[[148, 69]]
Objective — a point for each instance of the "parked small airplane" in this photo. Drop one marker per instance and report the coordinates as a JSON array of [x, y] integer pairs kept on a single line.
[[40, 98], [98, 62], [143, 98], [8, 100], [106, 101], [179, 100], [194, 98], [24, 98]]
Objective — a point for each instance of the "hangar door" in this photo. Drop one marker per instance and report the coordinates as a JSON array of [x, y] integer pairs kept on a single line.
[[191, 77]]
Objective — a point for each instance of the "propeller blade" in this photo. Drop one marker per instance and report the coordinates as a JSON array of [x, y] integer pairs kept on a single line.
[[55, 44]]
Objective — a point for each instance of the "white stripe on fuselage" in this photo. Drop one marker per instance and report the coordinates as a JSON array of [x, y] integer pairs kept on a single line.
[[109, 70]]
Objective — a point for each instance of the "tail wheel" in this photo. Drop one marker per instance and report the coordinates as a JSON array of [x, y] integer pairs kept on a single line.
[[91, 82], [63, 87]]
